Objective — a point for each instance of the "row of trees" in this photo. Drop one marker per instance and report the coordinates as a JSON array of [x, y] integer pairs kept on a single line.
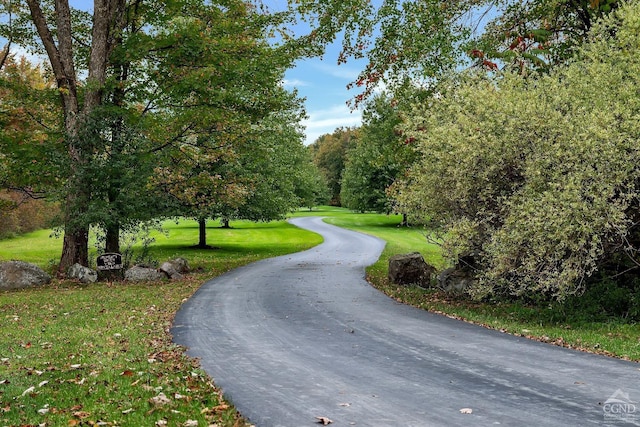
[[150, 109], [528, 159]]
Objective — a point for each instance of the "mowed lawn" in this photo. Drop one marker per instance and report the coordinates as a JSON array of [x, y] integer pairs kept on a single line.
[[102, 354]]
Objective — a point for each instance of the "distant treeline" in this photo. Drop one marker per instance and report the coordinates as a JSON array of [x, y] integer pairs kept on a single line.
[[20, 213]]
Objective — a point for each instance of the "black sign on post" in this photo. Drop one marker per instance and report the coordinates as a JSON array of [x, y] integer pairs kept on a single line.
[[108, 262]]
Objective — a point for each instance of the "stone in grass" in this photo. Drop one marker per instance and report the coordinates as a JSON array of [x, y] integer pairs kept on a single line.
[[180, 264], [410, 269], [170, 270], [143, 274], [19, 274], [82, 274]]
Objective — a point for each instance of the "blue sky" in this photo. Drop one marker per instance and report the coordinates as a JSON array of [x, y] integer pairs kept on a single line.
[[324, 85]]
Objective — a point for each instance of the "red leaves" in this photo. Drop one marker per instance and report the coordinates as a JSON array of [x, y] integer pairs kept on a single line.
[[490, 65], [476, 53]]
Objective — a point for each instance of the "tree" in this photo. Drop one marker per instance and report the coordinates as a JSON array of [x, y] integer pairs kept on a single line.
[[159, 76], [416, 43], [54, 33], [536, 35], [27, 168], [380, 156], [537, 177], [27, 118], [329, 153], [271, 165], [311, 187], [218, 136]]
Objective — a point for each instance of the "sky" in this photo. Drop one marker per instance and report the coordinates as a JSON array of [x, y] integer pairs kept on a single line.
[[320, 81], [323, 84]]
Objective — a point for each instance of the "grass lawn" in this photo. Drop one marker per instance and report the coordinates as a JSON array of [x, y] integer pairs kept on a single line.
[[101, 354]]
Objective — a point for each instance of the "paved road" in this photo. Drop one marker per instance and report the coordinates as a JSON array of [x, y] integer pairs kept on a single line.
[[300, 336]]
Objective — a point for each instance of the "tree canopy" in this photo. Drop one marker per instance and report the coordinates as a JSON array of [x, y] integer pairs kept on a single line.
[[379, 157], [150, 95], [538, 178]]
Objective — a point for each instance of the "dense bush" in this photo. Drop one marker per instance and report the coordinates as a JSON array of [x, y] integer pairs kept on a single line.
[[538, 176]]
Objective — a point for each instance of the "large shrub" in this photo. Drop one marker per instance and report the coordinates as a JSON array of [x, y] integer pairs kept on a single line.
[[539, 176]]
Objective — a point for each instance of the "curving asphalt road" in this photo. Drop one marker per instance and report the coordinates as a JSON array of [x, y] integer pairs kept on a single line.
[[302, 336]]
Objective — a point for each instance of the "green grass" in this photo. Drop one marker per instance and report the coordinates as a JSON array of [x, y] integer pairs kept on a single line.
[[75, 355], [86, 354], [39, 247]]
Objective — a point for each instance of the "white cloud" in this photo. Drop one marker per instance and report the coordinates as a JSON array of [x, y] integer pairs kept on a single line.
[[325, 121], [293, 83], [338, 71]]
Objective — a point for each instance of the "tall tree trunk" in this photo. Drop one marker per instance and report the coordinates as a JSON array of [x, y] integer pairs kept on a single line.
[[202, 235], [112, 240], [108, 16], [75, 249], [405, 220]]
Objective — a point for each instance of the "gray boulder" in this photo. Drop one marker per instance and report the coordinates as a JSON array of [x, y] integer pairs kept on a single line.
[[460, 277], [170, 270], [143, 274], [455, 280], [410, 269], [19, 274], [82, 274], [180, 265]]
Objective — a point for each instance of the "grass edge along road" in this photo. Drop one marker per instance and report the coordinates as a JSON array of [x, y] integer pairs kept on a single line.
[[102, 355]]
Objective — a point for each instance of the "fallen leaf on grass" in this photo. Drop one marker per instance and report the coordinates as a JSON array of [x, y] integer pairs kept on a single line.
[[160, 399], [27, 391], [466, 411], [190, 423], [324, 421], [126, 373], [81, 414]]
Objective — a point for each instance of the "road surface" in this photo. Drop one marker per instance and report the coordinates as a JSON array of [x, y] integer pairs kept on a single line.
[[302, 336]]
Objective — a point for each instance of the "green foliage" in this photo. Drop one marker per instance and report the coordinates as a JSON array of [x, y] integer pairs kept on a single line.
[[329, 153], [29, 142], [537, 35], [539, 177], [378, 158], [20, 214]]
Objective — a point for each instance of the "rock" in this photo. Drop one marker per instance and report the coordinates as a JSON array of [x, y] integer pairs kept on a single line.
[[82, 274], [460, 277], [180, 264], [143, 274], [409, 269], [170, 270], [19, 274], [455, 280]]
